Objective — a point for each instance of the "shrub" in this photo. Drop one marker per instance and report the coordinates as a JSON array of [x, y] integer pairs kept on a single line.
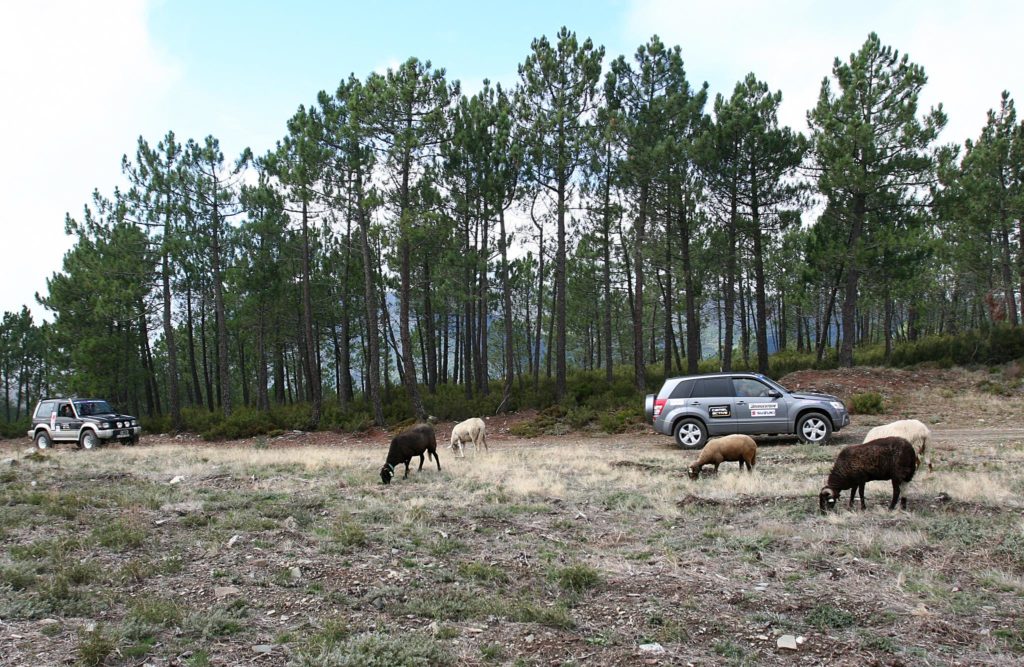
[[245, 423], [867, 403], [155, 424], [616, 422], [379, 649], [577, 578], [579, 417], [826, 616], [94, 647], [15, 429]]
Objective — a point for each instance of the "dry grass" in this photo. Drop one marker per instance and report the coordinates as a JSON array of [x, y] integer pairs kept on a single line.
[[588, 546]]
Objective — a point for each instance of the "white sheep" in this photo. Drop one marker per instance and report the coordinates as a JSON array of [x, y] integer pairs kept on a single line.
[[736, 447], [911, 430], [472, 430]]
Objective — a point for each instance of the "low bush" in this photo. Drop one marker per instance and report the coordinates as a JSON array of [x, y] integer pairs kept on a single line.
[[867, 403], [244, 423], [15, 429]]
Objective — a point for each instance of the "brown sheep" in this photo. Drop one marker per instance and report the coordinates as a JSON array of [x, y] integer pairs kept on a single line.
[[735, 447], [407, 444], [885, 458]]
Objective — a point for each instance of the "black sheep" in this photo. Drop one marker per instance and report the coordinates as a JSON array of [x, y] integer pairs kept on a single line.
[[407, 444], [885, 458]]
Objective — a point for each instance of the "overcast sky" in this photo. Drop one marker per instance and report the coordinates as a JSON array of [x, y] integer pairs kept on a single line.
[[83, 80]]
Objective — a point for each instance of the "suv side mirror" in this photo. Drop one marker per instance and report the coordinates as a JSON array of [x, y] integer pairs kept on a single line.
[[774, 394]]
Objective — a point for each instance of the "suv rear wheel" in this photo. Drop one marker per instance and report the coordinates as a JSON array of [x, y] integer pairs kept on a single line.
[[690, 434], [43, 440], [814, 428]]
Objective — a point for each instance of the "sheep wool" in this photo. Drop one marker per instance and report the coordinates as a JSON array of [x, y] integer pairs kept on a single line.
[[911, 430], [735, 447], [415, 441], [472, 430], [890, 458]]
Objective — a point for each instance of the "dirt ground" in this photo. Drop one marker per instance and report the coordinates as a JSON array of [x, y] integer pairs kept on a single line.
[[580, 549]]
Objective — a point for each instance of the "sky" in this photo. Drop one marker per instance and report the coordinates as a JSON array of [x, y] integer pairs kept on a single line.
[[82, 81]]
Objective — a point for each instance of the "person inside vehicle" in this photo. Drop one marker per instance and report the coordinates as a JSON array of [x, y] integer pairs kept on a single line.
[[65, 410]]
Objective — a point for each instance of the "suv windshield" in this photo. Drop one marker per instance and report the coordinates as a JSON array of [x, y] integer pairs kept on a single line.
[[86, 408]]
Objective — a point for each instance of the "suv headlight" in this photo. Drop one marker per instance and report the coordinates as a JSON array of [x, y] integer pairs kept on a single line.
[[105, 425], [838, 405]]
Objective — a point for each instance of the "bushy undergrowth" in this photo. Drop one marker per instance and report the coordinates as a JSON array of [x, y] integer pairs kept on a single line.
[[867, 403], [591, 401]]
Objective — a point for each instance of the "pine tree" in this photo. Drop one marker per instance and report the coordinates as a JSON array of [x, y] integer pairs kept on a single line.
[[872, 154]]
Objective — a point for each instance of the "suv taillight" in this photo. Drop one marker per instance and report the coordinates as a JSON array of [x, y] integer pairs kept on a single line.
[[659, 405]]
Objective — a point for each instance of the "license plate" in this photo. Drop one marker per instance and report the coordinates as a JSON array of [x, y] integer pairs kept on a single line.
[[122, 434]]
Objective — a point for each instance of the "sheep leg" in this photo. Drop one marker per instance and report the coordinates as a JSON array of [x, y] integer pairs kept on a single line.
[[437, 459], [862, 505], [483, 436], [406, 476], [895, 494], [853, 495], [421, 461]]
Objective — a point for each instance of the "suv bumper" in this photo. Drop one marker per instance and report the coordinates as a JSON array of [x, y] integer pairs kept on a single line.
[[130, 432]]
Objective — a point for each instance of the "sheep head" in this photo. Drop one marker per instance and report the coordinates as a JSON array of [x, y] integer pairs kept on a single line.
[[386, 473], [827, 500], [693, 472]]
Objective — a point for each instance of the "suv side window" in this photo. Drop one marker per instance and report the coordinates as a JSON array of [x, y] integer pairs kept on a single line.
[[713, 388], [682, 390], [44, 409], [747, 387]]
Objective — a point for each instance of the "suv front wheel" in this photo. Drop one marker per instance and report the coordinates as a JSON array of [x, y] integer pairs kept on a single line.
[[690, 434], [89, 440], [814, 428]]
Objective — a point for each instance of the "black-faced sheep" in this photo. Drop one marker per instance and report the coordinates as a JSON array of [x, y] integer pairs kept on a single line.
[[472, 430], [886, 458], [735, 447], [911, 430], [407, 444]]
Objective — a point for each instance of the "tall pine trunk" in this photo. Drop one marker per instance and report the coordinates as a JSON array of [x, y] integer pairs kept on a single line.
[[370, 302], [310, 359]]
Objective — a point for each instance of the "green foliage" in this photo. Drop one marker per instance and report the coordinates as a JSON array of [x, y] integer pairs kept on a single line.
[[576, 578], [824, 617], [483, 572], [95, 646], [867, 403], [16, 429], [221, 620], [243, 423], [120, 535], [377, 649]]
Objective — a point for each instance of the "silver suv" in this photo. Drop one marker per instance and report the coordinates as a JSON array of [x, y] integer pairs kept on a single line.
[[84, 421], [694, 407]]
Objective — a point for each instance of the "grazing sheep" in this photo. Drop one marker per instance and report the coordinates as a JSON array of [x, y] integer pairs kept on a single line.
[[472, 430], [736, 447], [407, 444], [911, 430], [890, 458]]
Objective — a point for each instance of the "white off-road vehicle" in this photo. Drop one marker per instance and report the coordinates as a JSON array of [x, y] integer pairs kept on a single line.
[[87, 422]]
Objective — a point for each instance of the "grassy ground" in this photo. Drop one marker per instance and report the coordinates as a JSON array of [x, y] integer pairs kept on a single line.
[[557, 550]]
